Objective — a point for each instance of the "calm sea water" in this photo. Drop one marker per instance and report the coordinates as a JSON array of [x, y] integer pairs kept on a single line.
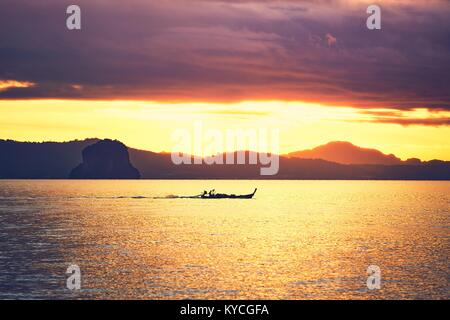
[[294, 240]]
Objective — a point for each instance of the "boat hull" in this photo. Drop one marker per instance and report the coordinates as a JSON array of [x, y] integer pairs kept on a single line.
[[229, 196]]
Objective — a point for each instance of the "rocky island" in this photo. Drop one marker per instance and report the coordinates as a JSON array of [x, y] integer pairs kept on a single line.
[[106, 159]]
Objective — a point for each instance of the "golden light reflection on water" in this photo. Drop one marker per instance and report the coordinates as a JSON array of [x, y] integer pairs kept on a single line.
[[295, 240]]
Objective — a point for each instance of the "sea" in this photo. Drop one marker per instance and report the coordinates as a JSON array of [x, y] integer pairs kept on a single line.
[[139, 239]]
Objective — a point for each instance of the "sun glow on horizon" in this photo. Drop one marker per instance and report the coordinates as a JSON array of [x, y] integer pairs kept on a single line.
[[149, 125]]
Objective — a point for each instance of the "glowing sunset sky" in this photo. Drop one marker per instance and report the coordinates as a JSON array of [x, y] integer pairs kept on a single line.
[[139, 69]]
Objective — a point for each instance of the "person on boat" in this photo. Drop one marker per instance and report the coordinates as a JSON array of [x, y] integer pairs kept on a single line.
[[212, 192]]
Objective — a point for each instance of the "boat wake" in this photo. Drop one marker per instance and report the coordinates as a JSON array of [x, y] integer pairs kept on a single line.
[[170, 196]]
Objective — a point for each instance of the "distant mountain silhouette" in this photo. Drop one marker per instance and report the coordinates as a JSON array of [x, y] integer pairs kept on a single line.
[[47, 160], [159, 166], [106, 159], [20, 160], [346, 153]]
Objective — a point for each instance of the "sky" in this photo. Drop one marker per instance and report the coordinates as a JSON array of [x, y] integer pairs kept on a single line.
[[138, 70]]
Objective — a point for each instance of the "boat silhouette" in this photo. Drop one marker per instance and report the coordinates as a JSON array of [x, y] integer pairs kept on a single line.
[[227, 196], [212, 195]]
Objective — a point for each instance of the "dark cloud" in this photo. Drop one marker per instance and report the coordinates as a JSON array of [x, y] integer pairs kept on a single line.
[[437, 117], [433, 122], [179, 50]]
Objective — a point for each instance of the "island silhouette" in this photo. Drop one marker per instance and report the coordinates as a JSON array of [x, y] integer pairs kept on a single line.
[[105, 159], [111, 159]]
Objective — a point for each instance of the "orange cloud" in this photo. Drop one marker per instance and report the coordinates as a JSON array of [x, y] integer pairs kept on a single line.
[[8, 84], [239, 112], [423, 117], [331, 41]]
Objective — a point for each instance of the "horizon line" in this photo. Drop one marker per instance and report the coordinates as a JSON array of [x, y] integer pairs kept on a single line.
[[285, 155]]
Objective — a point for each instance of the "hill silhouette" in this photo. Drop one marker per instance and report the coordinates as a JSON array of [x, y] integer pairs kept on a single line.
[[159, 166], [346, 153], [25, 160], [46, 160]]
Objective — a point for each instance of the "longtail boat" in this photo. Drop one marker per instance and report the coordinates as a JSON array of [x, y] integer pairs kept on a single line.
[[227, 196]]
